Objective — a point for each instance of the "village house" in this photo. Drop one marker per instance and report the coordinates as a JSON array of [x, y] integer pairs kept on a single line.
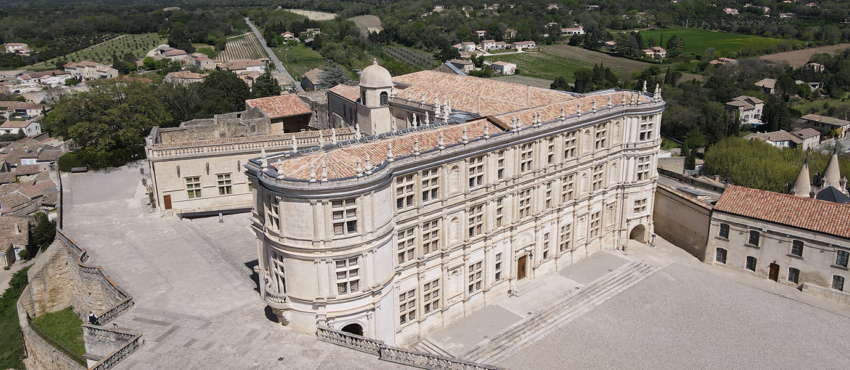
[[241, 66], [176, 55], [767, 84], [287, 36], [572, 31], [504, 68], [14, 238], [17, 48], [86, 70], [510, 33], [610, 45], [29, 128], [779, 139], [786, 15], [481, 34], [201, 61], [185, 77], [819, 68], [723, 61], [488, 44], [463, 65], [809, 136], [730, 11], [310, 79], [829, 123], [521, 45], [749, 109], [655, 52]]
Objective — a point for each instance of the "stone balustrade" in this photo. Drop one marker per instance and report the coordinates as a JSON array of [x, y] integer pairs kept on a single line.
[[275, 300], [279, 141], [395, 354], [119, 354], [116, 310]]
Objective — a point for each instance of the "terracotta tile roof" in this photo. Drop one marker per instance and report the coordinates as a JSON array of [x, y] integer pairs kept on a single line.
[[280, 106], [349, 92], [7, 231], [175, 52], [7, 177], [806, 133], [12, 202], [823, 119], [804, 213], [16, 124], [552, 111], [30, 169], [37, 190], [775, 136], [312, 75], [342, 162]]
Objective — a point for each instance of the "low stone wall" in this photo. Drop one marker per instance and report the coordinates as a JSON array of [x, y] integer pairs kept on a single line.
[[672, 164], [692, 181], [682, 220], [826, 293], [60, 278]]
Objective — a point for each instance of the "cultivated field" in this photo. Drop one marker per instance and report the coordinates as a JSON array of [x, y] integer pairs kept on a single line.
[[697, 40], [299, 59], [525, 80], [624, 67], [367, 23], [541, 64], [138, 45], [416, 58], [314, 15], [242, 47], [799, 58]]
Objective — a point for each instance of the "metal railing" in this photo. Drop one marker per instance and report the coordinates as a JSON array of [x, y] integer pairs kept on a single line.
[[395, 354]]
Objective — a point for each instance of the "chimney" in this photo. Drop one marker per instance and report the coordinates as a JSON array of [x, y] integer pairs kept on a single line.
[[17, 230]]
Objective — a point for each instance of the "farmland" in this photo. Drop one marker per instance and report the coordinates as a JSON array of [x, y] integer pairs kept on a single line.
[[542, 64], [299, 59], [314, 15], [242, 47], [622, 66], [416, 58], [367, 23], [799, 58], [137, 45], [697, 40]]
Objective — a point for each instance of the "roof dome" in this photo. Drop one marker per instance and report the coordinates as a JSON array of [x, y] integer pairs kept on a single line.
[[375, 76]]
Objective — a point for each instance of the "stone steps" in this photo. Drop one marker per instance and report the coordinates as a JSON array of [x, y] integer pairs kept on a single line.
[[429, 346], [560, 313]]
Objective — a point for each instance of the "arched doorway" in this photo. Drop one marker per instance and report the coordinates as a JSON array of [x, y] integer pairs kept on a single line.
[[638, 233], [355, 329]]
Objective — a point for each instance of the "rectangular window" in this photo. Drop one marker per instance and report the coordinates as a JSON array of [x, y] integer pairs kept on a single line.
[[640, 206], [526, 157], [754, 238], [550, 156], [565, 238], [793, 275], [601, 135], [279, 272], [498, 267], [476, 172], [430, 237], [475, 277], [499, 211], [404, 192], [406, 245], [431, 297], [797, 248], [597, 177], [224, 186], [273, 212], [476, 220], [569, 145], [524, 203], [347, 276], [500, 165], [838, 282], [344, 216], [193, 187], [548, 196], [720, 255], [643, 168], [407, 306], [567, 188], [724, 231], [594, 225], [430, 185], [545, 246], [841, 258], [646, 129], [751, 263]]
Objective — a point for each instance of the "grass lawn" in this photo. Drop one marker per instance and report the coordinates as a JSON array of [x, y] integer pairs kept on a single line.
[[65, 327], [542, 65], [299, 59], [669, 144], [11, 346], [697, 40], [138, 45], [805, 105]]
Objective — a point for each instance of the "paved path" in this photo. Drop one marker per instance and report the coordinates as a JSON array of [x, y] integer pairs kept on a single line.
[[196, 302], [273, 57]]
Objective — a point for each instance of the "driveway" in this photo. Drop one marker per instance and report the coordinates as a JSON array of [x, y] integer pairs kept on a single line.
[[273, 57]]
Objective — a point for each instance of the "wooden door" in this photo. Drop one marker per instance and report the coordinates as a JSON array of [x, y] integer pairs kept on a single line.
[[520, 268], [167, 201], [774, 272]]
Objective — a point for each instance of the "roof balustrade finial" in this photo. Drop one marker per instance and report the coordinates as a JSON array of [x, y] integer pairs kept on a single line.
[[324, 172], [321, 139], [357, 134], [594, 105], [294, 144], [416, 150], [486, 130], [563, 114], [465, 138], [390, 152], [609, 101], [441, 144], [265, 161], [280, 175], [368, 163], [359, 169], [312, 172], [578, 108], [644, 86], [333, 135]]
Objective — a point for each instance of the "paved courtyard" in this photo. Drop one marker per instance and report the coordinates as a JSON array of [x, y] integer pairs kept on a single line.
[[198, 308], [196, 303]]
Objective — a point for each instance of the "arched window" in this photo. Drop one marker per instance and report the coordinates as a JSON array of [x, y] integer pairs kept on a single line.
[[384, 98]]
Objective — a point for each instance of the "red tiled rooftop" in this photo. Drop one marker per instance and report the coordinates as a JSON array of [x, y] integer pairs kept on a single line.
[[280, 106], [349, 92], [804, 213]]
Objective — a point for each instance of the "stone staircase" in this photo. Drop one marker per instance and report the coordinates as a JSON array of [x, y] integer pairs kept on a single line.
[[429, 346], [560, 313]]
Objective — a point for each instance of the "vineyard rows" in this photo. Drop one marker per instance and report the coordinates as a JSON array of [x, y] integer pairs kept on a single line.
[[246, 47], [415, 58]]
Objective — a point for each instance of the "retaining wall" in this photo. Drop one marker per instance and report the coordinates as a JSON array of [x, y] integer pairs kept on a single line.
[[682, 220]]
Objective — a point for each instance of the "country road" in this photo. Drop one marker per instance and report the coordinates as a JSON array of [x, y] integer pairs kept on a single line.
[[273, 57]]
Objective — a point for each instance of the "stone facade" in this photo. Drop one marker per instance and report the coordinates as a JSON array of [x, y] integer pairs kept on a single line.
[[449, 215], [682, 220]]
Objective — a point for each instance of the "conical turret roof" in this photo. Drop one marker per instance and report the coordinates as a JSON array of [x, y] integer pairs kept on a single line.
[[832, 173], [801, 187]]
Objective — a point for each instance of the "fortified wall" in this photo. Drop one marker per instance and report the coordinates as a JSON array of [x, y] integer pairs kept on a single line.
[[60, 278], [682, 220]]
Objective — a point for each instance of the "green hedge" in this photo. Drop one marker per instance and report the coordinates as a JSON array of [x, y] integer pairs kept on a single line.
[[96, 161]]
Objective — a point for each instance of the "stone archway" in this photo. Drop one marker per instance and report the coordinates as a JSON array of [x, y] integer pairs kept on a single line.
[[638, 233], [355, 329]]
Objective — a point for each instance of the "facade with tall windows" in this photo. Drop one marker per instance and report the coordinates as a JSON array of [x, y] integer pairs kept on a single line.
[[460, 188]]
